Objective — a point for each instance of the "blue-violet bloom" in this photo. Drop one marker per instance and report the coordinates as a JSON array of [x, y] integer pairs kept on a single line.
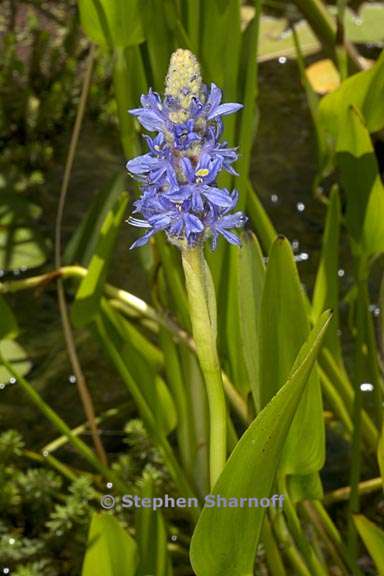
[[178, 174]]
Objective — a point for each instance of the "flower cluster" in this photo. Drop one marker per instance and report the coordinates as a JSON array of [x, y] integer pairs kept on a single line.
[[178, 174]]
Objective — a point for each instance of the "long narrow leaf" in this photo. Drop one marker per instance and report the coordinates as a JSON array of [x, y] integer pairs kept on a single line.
[[219, 547]]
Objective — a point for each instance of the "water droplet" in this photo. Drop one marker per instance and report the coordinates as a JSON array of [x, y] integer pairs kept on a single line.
[[72, 379], [109, 485], [358, 21], [300, 206], [282, 60], [23, 268], [295, 245], [274, 198], [2, 386], [11, 541], [340, 273], [6, 570], [173, 537], [16, 272], [45, 453], [302, 257], [12, 380], [366, 387], [2, 273], [377, 311]]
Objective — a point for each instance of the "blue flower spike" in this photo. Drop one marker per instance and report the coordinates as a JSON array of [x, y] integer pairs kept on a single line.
[[178, 173]]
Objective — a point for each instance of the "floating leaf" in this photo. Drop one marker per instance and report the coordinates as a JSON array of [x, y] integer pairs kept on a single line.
[[111, 551], [219, 547], [323, 76], [15, 355]]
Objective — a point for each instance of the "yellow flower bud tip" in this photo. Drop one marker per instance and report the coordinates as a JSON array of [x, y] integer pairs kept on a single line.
[[183, 82]]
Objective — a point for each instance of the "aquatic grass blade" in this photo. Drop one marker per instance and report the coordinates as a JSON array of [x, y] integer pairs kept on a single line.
[[82, 244], [373, 538], [112, 23], [326, 290], [89, 293], [250, 472], [110, 550], [139, 365]]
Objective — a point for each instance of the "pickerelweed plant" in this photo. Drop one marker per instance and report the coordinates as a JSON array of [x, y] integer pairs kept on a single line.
[[180, 196]]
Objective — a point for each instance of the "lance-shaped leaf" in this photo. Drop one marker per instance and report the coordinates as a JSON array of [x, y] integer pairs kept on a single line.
[[373, 538], [284, 328], [89, 294], [111, 551], [250, 278], [326, 291], [225, 539]]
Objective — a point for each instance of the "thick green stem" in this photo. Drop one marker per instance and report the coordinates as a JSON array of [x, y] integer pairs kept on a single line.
[[202, 303]]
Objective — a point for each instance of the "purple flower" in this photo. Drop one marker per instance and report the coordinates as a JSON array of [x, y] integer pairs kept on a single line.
[[178, 174], [213, 108]]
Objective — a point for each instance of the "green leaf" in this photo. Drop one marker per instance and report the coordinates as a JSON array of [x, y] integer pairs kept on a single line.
[[111, 551], [380, 453], [159, 39], [219, 547], [250, 279], [90, 291], [112, 23], [360, 177], [326, 291], [364, 91], [284, 328], [8, 324], [16, 356], [21, 244], [82, 245], [141, 368], [373, 538]]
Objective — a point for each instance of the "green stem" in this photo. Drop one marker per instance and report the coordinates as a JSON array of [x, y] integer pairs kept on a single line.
[[60, 425], [149, 420], [354, 501], [313, 563], [364, 487], [285, 539], [202, 304], [272, 551], [335, 535], [133, 307]]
